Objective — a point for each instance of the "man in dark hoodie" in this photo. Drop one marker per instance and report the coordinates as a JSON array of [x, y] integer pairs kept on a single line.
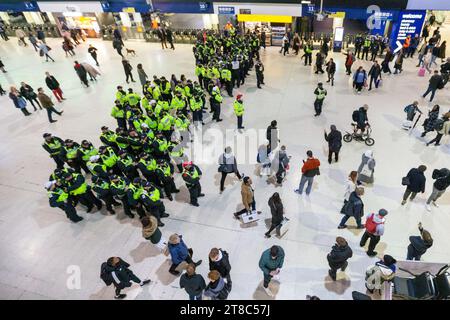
[[337, 258], [193, 283], [117, 272], [219, 261], [416, 183], [334, 139], [441, 184], [419, 244]]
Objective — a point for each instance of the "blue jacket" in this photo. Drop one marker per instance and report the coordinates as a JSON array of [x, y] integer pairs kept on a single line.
[[178, 252], [360, 76]]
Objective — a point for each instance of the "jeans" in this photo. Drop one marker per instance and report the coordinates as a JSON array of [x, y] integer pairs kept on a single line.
[[32, 101], [436, 194], [432, 90], [345, 218], [304, 180], [408, 193], [373, 241], [432, 60], [318, 106], [25, 111], [412, 255], [374, 79], [129, 75]]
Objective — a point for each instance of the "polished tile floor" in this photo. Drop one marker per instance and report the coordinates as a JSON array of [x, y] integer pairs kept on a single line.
[[40, 248]]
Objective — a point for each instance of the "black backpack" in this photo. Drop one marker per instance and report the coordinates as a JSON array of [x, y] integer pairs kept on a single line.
[[439, 124], [355, 115], [105, 275]]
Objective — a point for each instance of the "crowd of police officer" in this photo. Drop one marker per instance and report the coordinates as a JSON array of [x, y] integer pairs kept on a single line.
[[135, 166]]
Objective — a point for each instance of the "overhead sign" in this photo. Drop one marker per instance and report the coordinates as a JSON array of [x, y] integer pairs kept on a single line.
[[226, 10], [409, 23], [264, 18]]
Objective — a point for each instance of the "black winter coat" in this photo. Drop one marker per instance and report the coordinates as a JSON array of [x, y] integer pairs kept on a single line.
[[277, 212], [194, 285], [416, 180], [122, 272], [418, 246], [442, 177], [222, 266], [334, 139], [338, 256]]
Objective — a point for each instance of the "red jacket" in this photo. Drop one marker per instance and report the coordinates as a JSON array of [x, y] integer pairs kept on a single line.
[[310, 164]]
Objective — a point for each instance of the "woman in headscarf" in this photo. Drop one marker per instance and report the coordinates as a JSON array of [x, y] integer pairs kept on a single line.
[[367, 167]]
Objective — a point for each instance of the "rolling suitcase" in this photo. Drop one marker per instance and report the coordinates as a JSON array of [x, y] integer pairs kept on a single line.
[[407, 124], [422, 72], [249, 217]]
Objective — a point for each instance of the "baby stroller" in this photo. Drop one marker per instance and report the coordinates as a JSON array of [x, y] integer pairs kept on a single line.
[[424, 286]]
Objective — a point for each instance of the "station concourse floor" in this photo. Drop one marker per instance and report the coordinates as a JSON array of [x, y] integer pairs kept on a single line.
[[40, 248]]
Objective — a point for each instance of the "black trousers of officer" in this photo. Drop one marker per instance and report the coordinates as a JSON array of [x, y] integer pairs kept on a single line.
[[200, 81], [59, 162], [365, 53], [122, 123], [126, 206], [229, 88], [205, 82], [236, 78], [318, 106], [169, 186], [239, 122], [89, 200], [194, 191], [373, 56], [70, 211], [109, 201], [156, 209], [216, 111], [357, 51], [150, 177], [259, 79], [308, 58], [243, 73]]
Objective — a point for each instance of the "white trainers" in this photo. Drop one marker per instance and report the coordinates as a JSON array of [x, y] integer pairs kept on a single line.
[[435, 204], [428, 207], [268, 292]]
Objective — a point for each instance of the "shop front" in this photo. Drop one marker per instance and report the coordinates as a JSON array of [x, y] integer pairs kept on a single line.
[[273, 19], [74, 15]]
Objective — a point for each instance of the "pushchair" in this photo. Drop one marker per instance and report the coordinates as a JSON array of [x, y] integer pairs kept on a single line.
[[424, 286]]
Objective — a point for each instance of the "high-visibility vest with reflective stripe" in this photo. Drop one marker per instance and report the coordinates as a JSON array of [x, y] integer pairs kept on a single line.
[[226, 74], [163, 145], [121, 185], [122, 145], [71, 153], [193, 175], [156, 93], [150, 165], [154, 195], [92, 165], [217, 96], [322, 94], [127, 161], [133, 99], [165, 169], [195, 105], [110, 158], [62, 195], [178, 103], [88, 153], [81, 189], [117, 113], [55, 146], [137, 191], [109, 136], [166, 123], [167, 89], [177, 153], [238, 108], [121, 97], [182, 123]]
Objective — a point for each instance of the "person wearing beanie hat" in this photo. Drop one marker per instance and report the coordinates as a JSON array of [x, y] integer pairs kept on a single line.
[[59, 198], [374, 230], [239, 110], [320, 93], [54, 145]]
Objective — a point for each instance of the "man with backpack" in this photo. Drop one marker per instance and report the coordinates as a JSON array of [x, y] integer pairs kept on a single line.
[[116, 271], [442, 127], [441, 184], [360, 117], [374, 230], [436, 82]]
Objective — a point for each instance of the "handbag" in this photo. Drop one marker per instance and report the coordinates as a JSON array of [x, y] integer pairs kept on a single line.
[[365, 171], [223, 165], [405, 181]]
